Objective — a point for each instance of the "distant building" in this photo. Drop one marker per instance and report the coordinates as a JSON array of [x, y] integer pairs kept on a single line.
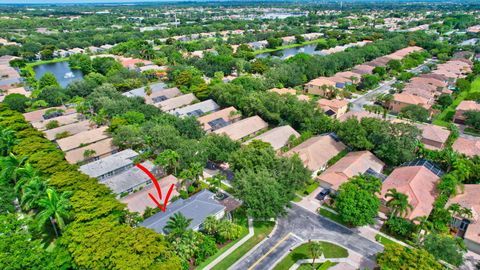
[[243, 128], [218, 119], [97, 151], [82, 139], [462, 108], [176, 102], [197, 109], [333, 107], [69, 130], [197, 208]]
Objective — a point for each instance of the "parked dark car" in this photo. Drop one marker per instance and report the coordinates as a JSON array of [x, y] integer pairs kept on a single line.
[[321, 196]]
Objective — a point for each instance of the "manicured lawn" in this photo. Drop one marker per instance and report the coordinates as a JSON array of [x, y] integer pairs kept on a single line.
[[310, 188], [383, 240], [262, 229], [332, 216], [316, 266], [303, 252], [288, 46], [447, 115]]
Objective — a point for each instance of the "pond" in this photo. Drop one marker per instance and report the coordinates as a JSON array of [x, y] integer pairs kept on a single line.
[[286, 53], [61, 70]]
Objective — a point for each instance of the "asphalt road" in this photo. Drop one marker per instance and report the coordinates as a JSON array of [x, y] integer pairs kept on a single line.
[[300, 226], [357, 104]]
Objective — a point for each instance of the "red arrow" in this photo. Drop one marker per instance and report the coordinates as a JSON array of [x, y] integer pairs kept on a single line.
[[157, 187]]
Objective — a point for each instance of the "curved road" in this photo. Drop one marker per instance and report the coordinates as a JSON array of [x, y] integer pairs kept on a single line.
[[299, 226]]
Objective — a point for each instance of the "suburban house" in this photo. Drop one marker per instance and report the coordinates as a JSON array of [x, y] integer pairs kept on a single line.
[[243, 128], [82, 139], [68, 130], [333, 107], [317, 151], [197, 109], [218, 119], [176, 102], [91, 152], [320, 86], [359, 115], [289, 91], [468, 227], [48, 113], [130, 180], [277, 137], [161, 95], [140, 92], [417, 180], [464, 106], [60, 120], [363, 69], [197, 208], [111, 165], [140, 200], [467, 146], [434, 137], [403, 100], [353, 164]]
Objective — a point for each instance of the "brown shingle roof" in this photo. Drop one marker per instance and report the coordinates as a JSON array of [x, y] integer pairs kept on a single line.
[[101, 148], [277, 137], [86, 137], [243, 128], [72, 129]]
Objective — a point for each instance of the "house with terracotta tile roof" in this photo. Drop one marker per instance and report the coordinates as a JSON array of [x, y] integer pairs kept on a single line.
[[243, 128], [218, 119], [434, 137], [68, 130], [418, 183], [363, 69], [82, 139], [465, 106], [467, 146], [277, 137], [289, 91], [320, 86], [353, 164], [317, 151], [100, 149], [468, 227], [47, 113], [402, 100], [333, 107]]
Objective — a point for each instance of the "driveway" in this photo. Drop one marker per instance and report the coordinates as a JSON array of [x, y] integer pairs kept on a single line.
[[298, 226]]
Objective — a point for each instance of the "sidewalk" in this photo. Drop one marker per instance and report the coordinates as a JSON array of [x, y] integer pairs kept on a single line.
[[356, 261]]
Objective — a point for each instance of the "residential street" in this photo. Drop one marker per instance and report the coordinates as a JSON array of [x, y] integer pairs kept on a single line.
[[358, 103], [300, 226]]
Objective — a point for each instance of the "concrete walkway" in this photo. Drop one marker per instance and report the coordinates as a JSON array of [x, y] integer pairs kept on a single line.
[[351, 260], [234, 247]]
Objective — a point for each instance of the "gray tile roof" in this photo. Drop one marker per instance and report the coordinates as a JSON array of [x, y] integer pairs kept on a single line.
[[140, 92], [130, 179], [109, 164], [197, 208], [197, 109]]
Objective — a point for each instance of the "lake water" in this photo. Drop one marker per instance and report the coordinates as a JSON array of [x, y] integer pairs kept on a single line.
[[286, 53], [61, 70]]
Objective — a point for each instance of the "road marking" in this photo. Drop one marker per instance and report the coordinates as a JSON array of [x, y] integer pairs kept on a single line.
[[270, 251]]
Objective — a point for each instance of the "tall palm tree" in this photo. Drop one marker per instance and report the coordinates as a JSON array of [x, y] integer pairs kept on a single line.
[[196, 170], [177, 224], [7, 141], [55, 207], [316, 250], [398, 203], [423, 227], [10, 166], [33, 192]]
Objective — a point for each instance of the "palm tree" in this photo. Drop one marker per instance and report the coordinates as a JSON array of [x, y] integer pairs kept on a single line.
[[177, 224], [33, 192], [398, 203], [25, 174], [168, 159], [10, 166], [423, 227], [7, 141], [210, 225], [196, 170], [55, 207], [316, 250]]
